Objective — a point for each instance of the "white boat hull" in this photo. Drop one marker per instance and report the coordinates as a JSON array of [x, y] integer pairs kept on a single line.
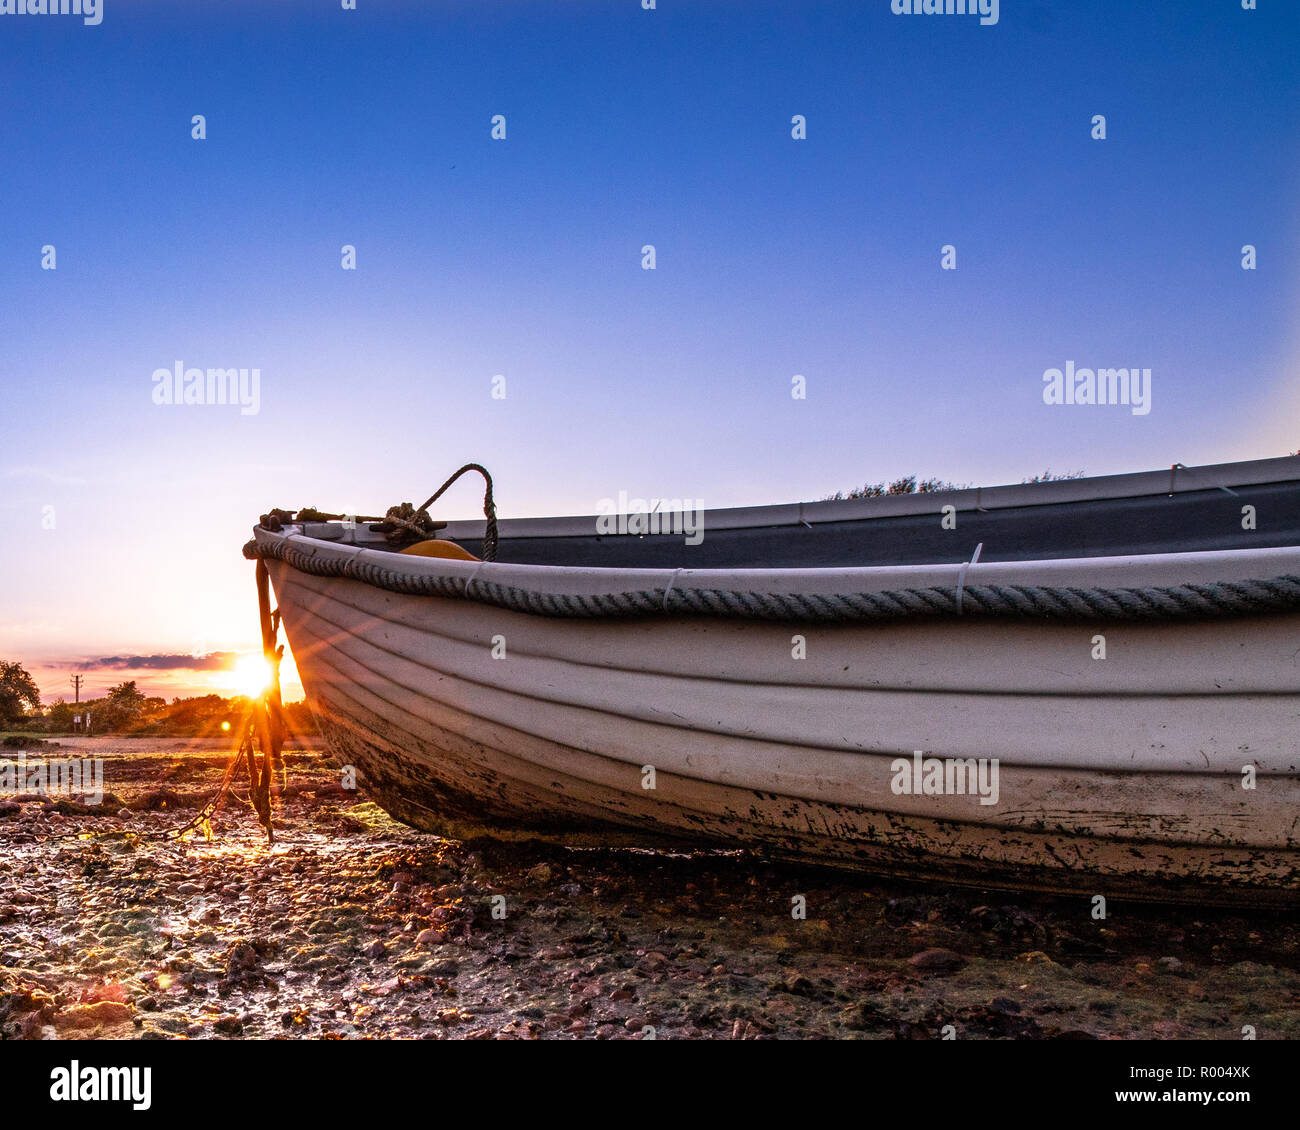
[[1121, 776]]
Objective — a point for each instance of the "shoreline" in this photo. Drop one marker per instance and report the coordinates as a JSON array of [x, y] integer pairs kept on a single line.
[[354, 926]]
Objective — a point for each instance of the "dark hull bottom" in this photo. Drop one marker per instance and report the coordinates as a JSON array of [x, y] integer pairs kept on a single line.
[[449, 790]]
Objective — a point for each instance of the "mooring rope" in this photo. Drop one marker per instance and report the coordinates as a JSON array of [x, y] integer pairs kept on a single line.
[[214, 803], [263, 725]]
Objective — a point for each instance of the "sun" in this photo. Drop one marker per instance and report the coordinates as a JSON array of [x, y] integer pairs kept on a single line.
[[250, 675]]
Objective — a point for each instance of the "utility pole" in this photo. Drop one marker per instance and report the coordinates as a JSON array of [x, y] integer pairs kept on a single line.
[[76, 688]]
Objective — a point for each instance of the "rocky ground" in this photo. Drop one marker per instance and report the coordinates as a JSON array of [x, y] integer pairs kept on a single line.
[[354, 926]]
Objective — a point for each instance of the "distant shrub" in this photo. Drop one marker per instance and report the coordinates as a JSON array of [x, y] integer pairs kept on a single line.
[[906, 485], [910, 485], [1052, 477]]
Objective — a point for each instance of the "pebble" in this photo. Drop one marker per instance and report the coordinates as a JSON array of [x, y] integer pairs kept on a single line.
[[95, 1015], [936, 959], [1035, 957], [798, 984]]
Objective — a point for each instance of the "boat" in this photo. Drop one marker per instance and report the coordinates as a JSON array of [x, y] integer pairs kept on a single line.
[[1087, 686]]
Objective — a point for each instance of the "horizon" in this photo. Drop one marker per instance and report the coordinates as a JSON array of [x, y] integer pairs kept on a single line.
[[776, 257]]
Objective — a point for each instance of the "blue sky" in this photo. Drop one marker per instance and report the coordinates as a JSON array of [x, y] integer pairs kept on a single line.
[[522, 257]]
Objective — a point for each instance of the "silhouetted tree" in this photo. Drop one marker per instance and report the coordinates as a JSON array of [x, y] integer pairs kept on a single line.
[[18, 692]]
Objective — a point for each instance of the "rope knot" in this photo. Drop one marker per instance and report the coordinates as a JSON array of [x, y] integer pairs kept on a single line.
[[405, 525]]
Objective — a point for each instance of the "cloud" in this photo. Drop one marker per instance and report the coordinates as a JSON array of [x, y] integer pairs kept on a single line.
[[213, 661]]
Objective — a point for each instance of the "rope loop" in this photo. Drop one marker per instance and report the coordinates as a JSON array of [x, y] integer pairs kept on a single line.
[[489, 507]]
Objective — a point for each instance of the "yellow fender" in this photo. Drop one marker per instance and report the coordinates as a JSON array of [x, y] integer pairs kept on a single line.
[[437, 547]]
